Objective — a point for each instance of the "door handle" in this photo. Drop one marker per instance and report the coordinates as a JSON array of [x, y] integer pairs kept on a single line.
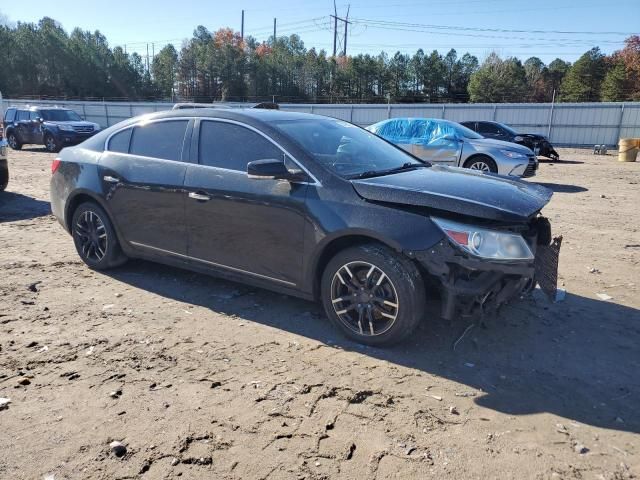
[[110, 179], [201, 197]]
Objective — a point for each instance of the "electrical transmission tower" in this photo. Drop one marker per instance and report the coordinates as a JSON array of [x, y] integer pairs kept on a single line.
[[346, 23]]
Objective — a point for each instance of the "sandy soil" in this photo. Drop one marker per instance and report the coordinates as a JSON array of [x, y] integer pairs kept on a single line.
[[203, 378]]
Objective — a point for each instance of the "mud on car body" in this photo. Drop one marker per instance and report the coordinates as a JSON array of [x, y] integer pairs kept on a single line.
[[308, 206]]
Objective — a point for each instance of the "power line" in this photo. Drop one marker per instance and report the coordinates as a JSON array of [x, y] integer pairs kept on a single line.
[[501, 30]]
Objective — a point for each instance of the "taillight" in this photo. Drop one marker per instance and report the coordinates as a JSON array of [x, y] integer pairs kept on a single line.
[[54, 165]]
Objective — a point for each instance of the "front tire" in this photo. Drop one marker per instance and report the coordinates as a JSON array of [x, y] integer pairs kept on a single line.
[[13, 141], [94, 237], [51, 144], [373, 294], [482, 163]]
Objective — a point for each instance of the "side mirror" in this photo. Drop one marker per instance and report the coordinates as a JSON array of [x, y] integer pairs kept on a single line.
[[40, 119], [450, 137], [273, 169]]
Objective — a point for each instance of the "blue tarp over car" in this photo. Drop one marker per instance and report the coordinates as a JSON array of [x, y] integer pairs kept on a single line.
[[413, 131]]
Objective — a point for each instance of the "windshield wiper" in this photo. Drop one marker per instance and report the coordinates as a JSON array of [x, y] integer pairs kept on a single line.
[[379, 173]]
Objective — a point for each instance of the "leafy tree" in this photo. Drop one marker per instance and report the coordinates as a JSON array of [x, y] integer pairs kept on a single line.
[[164, 68], [582, 81], [614, 83], [498, 80]]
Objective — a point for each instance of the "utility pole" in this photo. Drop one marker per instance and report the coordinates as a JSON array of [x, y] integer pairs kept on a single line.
[[147, 58], [274, 31], [335, 30], [242, 26], [346, 24], [335, 27]]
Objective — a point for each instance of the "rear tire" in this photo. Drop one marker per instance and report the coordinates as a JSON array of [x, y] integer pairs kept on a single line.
[[373, 294], [482, 163], [13, 141], [51, 144], [94, 237]]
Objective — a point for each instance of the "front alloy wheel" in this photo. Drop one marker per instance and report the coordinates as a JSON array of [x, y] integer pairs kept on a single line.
[[364, 298], [482, 164], [373, 294], [13, 142]]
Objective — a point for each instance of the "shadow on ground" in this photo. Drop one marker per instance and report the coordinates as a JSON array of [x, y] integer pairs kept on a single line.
[[563, 188], [15, 206], [577, 359], [561, 162]]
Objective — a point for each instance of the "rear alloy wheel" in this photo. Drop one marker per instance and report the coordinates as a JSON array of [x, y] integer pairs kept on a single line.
[[374, 295], [95, 238], [484, 164], [51, 144], [13, 141]]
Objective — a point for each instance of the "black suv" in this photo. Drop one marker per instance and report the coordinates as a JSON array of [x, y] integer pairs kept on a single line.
[[52, 127]]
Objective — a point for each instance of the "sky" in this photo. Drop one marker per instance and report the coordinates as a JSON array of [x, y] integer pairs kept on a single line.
[[543, 28]]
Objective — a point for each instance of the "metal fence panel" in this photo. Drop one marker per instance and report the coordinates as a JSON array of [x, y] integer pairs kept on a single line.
[[571, 124]]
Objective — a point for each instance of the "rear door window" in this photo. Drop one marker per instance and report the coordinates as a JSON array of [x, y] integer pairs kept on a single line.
[[10, 115], [159, 139], [230, 146], [120, 141], [22, 115]]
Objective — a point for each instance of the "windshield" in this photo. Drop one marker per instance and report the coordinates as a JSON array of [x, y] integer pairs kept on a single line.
[[464, 132], [60, 115], [346, 149], [509, 129]]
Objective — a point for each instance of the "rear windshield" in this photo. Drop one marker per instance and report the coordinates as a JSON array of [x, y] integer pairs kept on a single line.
[[60, 115]]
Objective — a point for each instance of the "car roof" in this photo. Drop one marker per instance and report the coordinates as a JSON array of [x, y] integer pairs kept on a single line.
[[35, 108], [255, 114]]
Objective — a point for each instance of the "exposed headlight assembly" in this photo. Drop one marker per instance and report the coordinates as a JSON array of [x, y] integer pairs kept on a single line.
[[512, 154], [485, 243]]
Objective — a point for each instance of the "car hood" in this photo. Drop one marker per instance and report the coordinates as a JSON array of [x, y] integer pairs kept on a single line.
[[461, 191], [491, 143]]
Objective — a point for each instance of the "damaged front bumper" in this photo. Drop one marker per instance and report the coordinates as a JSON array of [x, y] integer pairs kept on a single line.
[[473, 286]]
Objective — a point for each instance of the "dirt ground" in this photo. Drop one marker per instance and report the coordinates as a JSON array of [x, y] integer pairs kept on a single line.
[[203, 378]]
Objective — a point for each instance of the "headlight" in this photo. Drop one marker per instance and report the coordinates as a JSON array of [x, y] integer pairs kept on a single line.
[[65, 128], [512, 154], [517, 138], [485, 243]]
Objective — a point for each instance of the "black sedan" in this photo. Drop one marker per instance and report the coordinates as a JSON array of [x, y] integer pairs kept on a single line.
[[539, 144], [305, 205]]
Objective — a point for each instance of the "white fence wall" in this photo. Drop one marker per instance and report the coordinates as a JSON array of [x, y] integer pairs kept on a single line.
[[576, 124]]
